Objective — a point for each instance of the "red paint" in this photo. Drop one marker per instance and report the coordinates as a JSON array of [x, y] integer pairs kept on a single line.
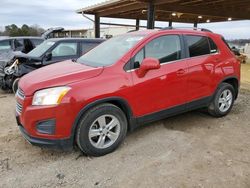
[[151, 91]]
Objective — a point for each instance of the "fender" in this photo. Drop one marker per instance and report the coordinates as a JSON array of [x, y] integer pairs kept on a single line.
[[228, 78], [118, 101]]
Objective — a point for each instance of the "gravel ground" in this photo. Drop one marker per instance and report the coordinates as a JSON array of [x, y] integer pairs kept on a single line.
[[189, 150], [245, 74]]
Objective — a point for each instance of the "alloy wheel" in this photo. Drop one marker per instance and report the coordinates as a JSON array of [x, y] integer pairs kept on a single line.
[[225, 100], [104, 131]]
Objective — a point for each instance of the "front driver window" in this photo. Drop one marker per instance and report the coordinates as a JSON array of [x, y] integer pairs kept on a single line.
[[165, 48], [138, 58], [65, 49]]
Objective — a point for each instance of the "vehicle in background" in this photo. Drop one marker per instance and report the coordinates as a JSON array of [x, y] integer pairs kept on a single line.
[[10, 45], [126, 81], [241, 56], [22, 44], [49, 52], [49, 33]]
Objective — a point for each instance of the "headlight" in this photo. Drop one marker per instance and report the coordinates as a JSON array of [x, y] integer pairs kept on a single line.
[[51, 96]]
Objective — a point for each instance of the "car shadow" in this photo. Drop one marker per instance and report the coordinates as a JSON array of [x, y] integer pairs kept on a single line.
[[182, 122]]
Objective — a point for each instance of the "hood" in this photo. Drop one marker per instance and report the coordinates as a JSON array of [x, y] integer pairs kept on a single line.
[[6, 55], [10, 56], [59, 74], [21, 55], [50, 31]]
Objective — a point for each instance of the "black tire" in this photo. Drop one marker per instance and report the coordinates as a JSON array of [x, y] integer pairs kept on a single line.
[[15, 85], [214, 107], [85, 123]]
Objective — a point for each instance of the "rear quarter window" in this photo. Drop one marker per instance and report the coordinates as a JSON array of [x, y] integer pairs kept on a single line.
[[213, 46]]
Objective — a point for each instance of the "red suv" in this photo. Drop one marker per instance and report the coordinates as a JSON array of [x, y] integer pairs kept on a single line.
[[127, 81]]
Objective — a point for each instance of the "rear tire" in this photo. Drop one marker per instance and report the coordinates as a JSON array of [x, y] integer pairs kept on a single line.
[[101, 130], [223, 100]]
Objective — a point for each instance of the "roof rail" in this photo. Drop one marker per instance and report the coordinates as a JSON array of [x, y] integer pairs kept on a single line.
[[193, 28]]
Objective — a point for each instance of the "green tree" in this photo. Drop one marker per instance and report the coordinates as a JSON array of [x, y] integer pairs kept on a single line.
[[13, 30], [25, 30]]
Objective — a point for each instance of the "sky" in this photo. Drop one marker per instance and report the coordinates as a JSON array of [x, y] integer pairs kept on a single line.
[[54, 13]]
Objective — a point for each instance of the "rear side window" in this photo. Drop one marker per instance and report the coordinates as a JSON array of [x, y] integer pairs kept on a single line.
[[87, 46], [197, 45]]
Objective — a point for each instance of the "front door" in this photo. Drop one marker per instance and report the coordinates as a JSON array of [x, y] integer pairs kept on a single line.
[[162, 88]]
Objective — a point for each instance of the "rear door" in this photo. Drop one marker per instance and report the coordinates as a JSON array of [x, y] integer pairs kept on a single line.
[[202, 56], [162, 88]]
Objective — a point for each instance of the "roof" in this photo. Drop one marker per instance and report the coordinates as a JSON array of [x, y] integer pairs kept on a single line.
[[185, 10], [171, 30], [21, 37], [67, 30]]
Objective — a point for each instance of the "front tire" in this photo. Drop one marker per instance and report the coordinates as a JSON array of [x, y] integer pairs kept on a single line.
[[223, 100], [101, 130]]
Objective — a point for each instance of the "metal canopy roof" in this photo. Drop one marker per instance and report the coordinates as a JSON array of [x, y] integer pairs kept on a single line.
[[187, 11]]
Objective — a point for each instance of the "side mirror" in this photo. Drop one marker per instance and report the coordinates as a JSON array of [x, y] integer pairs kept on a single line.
[[147, 65], [48, 56]]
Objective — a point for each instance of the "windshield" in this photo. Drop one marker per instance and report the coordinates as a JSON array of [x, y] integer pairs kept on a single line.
[[109, 52], [41, 49]]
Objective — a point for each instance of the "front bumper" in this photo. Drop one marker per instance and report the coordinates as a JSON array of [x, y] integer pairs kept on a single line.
[[62, 144], [47, 126]]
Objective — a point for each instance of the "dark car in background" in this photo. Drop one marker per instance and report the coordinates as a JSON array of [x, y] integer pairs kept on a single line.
[[23, 44], [49, 52]]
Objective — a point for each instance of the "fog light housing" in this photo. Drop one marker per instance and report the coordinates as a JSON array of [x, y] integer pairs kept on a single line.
[[46, 127]]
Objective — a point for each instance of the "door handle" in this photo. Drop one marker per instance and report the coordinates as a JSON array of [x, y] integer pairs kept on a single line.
[[180, 72]]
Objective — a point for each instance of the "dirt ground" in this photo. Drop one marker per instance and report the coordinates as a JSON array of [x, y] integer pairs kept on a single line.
[[245, 75], [189, 150]]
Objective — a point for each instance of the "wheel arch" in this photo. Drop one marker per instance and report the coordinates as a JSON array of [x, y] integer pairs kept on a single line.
[[232, 80], [117, 101]]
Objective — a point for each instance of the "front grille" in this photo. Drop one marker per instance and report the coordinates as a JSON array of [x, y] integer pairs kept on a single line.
[[20, 93], [19, 108]]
